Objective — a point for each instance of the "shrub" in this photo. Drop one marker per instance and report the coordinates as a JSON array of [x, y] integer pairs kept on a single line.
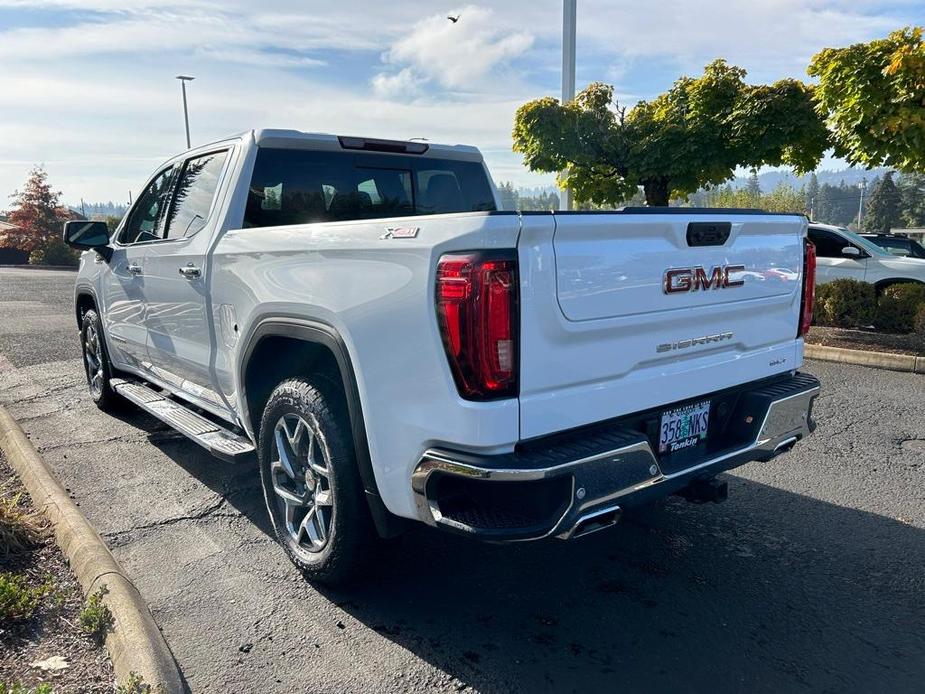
[[19, 527], [898, 307], [823, 292], [920, 321], [846, 303], [95, 617], [56, 252], [18, 599]]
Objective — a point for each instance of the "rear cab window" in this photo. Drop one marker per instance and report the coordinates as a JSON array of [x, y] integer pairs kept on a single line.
[[298, 186]]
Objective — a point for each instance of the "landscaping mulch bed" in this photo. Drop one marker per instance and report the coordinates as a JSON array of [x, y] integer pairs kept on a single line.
[[867, 340], [54, 629]]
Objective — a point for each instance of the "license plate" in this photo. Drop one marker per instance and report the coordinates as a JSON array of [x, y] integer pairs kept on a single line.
[[684, 427]]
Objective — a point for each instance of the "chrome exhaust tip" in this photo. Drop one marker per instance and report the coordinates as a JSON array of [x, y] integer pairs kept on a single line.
[[785, 446], [599, 520]]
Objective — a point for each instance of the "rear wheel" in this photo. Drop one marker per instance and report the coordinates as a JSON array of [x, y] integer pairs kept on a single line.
[[96, 364], [311, 483]]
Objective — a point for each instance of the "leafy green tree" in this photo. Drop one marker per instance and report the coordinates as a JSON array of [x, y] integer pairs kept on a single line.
[[811, 201], [754, 186], [837, 204], [695, 134], [883, 206], [784, 198], [541, 202], [912, 195], [510, 199], [112, 223], [873, 98]]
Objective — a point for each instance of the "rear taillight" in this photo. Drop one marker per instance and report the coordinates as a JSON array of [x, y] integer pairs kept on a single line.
[[809, 287], [478, 314]]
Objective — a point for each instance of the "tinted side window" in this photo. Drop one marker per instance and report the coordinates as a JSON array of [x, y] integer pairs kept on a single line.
[[193, 196], [291, 186], [896, 246], [828, 245], [146, 219]]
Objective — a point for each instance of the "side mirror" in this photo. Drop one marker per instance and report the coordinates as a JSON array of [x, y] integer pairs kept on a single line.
[[85, 236], [851, 252]]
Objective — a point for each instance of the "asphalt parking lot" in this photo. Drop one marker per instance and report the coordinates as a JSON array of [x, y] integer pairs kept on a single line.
[[811, 576]]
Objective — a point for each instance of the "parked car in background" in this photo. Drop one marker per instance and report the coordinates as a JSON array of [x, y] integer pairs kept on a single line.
[[841, 253], [898, 245]]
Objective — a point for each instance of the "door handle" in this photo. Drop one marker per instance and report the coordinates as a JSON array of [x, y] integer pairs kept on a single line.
[[133, 269], [190, 271]]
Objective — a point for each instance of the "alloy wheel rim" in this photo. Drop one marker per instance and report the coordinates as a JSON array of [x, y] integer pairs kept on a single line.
[[93, 355], [300, 474]]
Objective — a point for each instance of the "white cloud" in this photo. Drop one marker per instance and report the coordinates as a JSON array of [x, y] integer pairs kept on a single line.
[[224, 37], [93, 95], [456, 55], [403, 83]]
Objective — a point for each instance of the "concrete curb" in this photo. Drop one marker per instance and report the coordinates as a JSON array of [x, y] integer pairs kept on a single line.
[[877, 360], [135, 644]]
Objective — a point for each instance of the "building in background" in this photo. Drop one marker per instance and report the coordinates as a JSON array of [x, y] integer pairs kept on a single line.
[[916, 233]]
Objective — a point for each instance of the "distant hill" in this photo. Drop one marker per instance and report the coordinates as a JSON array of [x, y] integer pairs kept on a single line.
[[537, 191], [100, 209], [768, 180]]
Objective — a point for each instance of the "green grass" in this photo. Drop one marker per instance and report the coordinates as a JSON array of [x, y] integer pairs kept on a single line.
[[18, 600], [135, 684], [95, 617], [20, 528], [17, 688]]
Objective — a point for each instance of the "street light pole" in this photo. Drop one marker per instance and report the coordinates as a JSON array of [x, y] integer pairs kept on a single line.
[[861, 204], [569, 20], [183, 80]]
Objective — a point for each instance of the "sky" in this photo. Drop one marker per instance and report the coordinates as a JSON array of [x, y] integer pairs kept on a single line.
[[87, 87]]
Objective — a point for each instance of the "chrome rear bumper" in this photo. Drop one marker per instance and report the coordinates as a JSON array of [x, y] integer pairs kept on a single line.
[[590, 476]]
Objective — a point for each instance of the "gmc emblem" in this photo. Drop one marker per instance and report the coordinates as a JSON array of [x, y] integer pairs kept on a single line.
[[692, 279]]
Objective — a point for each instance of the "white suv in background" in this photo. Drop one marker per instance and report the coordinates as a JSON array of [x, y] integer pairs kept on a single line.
[[841, 253]]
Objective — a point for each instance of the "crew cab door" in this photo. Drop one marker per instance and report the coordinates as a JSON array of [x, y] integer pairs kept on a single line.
[[177, 320], [831, 261], [125, 284]]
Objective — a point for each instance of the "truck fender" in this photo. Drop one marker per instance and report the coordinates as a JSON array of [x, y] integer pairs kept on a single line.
[[327, 336]]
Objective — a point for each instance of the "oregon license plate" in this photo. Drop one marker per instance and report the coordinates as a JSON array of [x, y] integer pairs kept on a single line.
[[684, 427]]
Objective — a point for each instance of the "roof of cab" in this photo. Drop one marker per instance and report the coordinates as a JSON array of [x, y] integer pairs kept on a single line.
[[272, 137]]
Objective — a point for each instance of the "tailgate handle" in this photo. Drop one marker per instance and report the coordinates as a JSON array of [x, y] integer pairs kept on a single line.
[[708, 233]]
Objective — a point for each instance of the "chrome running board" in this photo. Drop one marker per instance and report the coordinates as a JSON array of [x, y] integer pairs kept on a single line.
[[219, 441]]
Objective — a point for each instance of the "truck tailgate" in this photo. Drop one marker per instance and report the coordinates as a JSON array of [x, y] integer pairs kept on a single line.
[[602, 335]]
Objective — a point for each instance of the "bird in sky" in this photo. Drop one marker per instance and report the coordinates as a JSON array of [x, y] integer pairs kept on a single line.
[[453, 19]]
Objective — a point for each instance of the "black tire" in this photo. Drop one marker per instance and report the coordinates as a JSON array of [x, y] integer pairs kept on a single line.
[[96, 364], [308, 418]]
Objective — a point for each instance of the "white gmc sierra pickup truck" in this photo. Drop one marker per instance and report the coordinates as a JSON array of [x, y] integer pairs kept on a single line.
[[361, 316]]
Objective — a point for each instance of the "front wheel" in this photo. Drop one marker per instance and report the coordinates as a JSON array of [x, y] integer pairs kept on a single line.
[[96, 364], [311, 483]]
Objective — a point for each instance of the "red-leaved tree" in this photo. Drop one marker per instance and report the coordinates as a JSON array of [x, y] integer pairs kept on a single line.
[[36, 214]]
